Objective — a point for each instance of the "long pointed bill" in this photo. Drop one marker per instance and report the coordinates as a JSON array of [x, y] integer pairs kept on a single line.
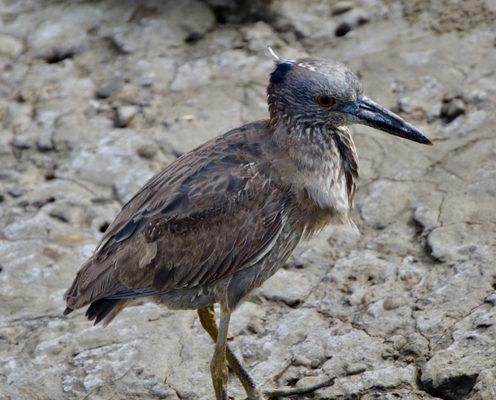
[[366, 112]]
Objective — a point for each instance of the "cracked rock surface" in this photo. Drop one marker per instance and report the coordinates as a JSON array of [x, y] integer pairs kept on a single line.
[[96, 96]]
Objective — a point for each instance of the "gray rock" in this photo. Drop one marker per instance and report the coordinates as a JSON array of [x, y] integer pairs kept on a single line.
[[72, 132], [147, 151], [56, 40], [356, 368], [452, 108], [484, 387], [16, 191], [289, 287], [342, 6], [108, 89], [491, 299], [124, 115], [10, 46]]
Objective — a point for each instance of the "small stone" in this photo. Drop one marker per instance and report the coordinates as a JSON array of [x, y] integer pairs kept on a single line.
[[10, 46], [147, 151], [342, 6], [70, 238], [107, 90], [21, 143], [398, 341], [59, 38], [44, 142], [16, 192], [300, 360], [426, 217], [391, 302], [187, 117], [355, 368], [102, 200], [484, 321], [51, 253], [60, 214], [387, 353], [342, 29], [124, 115], [452, 108], [491, 299], [161, 391]]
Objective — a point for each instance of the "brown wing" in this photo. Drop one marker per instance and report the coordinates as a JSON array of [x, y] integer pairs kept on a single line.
[[211, 213]]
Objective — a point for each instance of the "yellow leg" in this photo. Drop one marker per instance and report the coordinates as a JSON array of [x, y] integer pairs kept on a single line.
[[207, 319], [218, 365]]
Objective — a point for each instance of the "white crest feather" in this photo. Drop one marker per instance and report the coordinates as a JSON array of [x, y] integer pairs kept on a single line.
[[273, 53]]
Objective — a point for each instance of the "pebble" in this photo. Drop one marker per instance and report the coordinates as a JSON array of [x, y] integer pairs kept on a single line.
[[124, 115], [16, 192], [147, 151], [452, 108], [484, 321], [107, 90], [341, 7], [21, 143], [300, 360], [491, 299], [44, 141], [391, 302], [70, 238], [187, 117], [10, 46], [398, 341], [355, 368]]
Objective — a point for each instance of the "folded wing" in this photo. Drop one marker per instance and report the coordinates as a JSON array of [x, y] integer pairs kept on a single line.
[[213, 212]]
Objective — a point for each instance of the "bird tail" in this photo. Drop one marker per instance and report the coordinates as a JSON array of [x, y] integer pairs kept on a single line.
[[91, 286], [102, 310], [105, 310]]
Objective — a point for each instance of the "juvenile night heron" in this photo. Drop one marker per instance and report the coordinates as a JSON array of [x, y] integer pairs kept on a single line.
[[221, 219]]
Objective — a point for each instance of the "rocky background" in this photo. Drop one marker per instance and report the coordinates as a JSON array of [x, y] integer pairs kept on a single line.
[[96, 96]]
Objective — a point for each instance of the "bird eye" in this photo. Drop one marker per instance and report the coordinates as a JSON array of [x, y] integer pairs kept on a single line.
[[325, 101]]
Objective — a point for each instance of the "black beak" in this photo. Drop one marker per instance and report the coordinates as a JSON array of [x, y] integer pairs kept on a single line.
[[364, 111]]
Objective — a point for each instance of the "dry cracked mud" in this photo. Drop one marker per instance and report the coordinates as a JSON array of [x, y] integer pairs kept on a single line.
[[95, 96]]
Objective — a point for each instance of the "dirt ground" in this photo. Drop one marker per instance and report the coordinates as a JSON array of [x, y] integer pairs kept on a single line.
[[96, 96]]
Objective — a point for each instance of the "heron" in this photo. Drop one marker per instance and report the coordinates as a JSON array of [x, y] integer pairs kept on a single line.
[[221, 219]]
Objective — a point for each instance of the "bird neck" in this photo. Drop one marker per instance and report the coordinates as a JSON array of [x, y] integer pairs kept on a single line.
[[311, 146], [326, 161]]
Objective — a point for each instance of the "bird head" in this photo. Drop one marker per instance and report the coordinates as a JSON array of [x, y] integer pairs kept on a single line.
[[313, 92]]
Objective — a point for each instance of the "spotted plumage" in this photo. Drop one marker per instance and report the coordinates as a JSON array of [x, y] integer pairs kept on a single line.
[[221, 219]]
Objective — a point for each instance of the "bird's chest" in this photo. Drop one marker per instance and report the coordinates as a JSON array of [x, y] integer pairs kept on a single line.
[[327, 188], [324, 191]]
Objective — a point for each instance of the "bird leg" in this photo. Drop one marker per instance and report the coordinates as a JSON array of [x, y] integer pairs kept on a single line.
[[218, 365], [207, 319]]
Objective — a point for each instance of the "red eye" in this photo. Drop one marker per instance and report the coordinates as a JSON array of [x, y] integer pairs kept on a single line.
[[325, 101]]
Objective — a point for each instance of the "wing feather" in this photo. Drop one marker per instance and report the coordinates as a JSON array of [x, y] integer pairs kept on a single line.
[[208, 215]]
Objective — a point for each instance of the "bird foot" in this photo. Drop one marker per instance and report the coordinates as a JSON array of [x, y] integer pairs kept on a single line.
[[288, 392]]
